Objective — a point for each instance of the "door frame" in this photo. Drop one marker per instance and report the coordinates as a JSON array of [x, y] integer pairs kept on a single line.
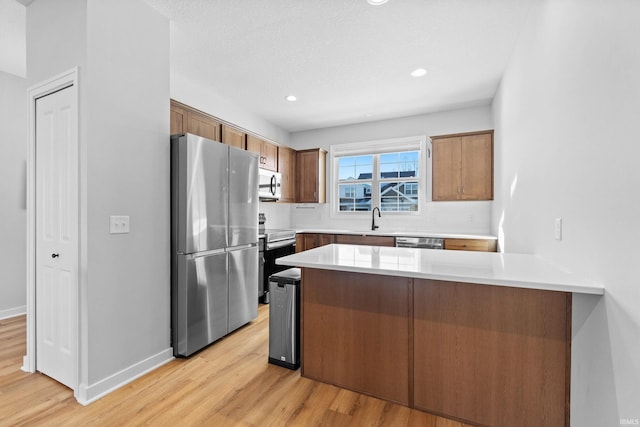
[[62, 81]]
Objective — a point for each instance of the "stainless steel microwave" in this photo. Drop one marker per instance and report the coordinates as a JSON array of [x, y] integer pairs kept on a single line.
[[270, 184]]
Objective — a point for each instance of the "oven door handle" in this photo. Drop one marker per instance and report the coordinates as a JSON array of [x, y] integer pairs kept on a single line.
[[280, 244]]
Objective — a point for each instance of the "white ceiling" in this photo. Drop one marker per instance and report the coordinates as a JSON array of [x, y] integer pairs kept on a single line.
[[345, 60]]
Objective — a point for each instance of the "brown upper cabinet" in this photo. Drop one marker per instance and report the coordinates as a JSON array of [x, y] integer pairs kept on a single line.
[[267, 151], [463, 166], [287, 168], [178, 119], [234, 137], [310, 174], [186, 119]]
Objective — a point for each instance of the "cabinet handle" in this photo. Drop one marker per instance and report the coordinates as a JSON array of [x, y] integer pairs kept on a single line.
[[462, 190]]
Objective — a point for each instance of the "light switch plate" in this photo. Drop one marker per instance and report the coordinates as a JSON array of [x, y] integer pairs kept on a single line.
[[119, 224], [558, 229]]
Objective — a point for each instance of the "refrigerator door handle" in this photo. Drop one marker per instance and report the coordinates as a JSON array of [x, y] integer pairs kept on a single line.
[[204, 253], [241, 247]]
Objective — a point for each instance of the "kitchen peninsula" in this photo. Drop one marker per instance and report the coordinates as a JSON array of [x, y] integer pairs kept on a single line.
[[474, 336]]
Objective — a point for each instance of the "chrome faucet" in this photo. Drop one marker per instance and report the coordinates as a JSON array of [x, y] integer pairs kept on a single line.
[[373, 218]]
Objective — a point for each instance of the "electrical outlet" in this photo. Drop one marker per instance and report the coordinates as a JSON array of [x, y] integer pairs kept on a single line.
[[558, 229], [118, 224]]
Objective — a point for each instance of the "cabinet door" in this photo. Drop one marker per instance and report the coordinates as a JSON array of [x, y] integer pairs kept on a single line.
[[269, 153], [310, 241], [202, 125], [254, 145], [470, 245], [311, 166], [446, 168], [287, 168], [178, 119], [307, 164], [306, 241], [352, 239], [477, 167], [326, 239], [233, 137]]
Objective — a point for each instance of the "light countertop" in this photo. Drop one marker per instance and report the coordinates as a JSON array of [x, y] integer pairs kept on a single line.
[[399, 233], [488, 268]]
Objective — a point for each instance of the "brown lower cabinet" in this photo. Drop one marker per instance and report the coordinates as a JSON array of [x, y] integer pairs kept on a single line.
[[485, 355], [306, 241], [470, 245], [354, 239], [313, 240]]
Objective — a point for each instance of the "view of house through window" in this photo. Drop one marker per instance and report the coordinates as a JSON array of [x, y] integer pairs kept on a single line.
[[388, 180]]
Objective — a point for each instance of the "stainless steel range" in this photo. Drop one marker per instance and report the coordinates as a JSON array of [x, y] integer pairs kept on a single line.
[[276, 243]]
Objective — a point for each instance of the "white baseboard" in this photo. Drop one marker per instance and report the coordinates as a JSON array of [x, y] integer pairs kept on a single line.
[[13, 312], [88, 394]]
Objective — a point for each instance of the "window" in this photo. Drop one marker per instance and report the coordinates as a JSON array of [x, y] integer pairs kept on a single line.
[[381, 173]]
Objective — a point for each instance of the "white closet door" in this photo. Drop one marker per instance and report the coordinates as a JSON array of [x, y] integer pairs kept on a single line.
[[56, 235]]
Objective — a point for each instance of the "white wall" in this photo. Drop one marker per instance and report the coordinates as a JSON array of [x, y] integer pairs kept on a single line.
[[13, 40], [128, 292], [458, 217], [122, 50], [566, 119], [13, 223]]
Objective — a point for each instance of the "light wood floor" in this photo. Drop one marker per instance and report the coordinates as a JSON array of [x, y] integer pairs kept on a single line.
[[228, 384]]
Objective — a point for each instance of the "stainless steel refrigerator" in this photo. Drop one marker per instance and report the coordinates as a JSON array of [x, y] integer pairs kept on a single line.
[[214, 239]]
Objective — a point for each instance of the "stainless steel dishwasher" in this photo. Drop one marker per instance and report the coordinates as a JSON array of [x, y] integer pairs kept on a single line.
[[420, 242]]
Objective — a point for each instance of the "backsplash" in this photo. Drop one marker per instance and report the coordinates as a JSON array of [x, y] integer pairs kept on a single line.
[[443, 217], [277, 214]]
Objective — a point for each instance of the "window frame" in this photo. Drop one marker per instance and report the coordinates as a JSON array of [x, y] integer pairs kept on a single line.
[[376, 148]]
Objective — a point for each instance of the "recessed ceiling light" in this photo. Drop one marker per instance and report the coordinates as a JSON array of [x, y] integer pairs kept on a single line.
[[291, 98], [419, 72], [376, 2]]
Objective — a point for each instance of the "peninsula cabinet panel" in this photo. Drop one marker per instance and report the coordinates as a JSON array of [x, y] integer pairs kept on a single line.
[[234, 137], [463, 166], [287, 168], [492, 355], [356, 332]]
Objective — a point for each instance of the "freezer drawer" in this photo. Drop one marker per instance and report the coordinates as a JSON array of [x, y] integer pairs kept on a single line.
[[243, 286], [199, 301]]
